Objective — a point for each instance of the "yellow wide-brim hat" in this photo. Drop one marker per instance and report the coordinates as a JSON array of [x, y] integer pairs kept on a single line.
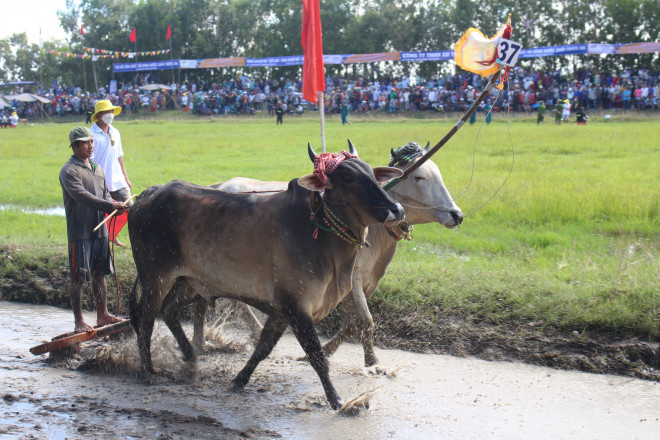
[[102, 106]]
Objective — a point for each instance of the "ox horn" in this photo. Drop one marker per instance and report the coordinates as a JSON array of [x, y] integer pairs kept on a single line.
[[351, 148], [426, 149], [311, 152]]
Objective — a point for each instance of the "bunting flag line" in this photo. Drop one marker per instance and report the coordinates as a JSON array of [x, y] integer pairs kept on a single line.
[[66, 54], [117, 54], [312, 45]]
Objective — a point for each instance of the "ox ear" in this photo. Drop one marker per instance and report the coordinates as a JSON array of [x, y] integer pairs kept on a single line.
[[312, 183], [383, 174], [426, 149]]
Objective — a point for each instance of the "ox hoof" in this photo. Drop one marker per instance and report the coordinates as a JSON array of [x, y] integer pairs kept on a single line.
[[351, 411], [149, 377], [338, 405], [203, 348], [306, 358], [236, 387]]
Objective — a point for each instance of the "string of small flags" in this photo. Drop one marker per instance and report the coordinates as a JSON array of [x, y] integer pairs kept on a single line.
[[59, 53], [125, 54]]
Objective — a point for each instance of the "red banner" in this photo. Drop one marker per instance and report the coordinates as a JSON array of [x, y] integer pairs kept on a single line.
[[133, 36], [169, 32], [312, 44]]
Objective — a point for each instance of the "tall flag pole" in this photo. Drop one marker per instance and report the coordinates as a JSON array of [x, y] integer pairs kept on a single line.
[[41, 43], [133, 39], [168, 36], [313, 72], [82, 32]]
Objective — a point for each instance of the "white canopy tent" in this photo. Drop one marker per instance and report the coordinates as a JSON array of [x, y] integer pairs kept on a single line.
[[27, 97], [152, 87]]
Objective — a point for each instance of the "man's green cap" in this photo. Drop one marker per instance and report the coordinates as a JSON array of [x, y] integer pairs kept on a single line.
[[80, 134]]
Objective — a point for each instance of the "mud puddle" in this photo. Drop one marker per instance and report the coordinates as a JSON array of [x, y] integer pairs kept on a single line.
[[96, 395]]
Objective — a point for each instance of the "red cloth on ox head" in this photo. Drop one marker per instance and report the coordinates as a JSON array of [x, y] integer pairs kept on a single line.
[[326, 164]]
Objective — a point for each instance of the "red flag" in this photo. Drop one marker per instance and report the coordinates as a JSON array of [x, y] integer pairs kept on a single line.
[[82, 29], [312, 44], [169, 32], [133, 36], [115, 224]]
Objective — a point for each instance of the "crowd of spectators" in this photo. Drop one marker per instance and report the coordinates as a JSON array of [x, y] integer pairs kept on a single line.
[[626, 90]]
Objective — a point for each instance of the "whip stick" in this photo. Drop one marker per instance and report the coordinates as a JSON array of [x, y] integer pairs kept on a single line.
[[111, 215], [473, 108]]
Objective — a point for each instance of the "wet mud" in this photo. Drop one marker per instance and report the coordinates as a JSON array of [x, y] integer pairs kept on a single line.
[[96, 394], [532, 342]]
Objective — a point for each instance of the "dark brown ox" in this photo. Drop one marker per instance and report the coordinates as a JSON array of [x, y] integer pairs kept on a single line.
[[426, 200], [260, 250]]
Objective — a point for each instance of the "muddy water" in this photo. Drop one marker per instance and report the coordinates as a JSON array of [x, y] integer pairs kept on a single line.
[[57, 210], [425, 396]]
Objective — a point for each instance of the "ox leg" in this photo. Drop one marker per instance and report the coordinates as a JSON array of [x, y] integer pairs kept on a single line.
[[172, 307], [348, 325], [364, 323], [144, 327], [272, 332], [251, 319], [149, 306], [356, 321], [303, 328], [200, 307]]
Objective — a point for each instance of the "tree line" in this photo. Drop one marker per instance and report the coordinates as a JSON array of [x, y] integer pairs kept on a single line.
[[265, 28]]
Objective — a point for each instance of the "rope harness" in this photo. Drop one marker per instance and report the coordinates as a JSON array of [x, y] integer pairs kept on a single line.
[[402, 230], [324, 165], [320, 213]]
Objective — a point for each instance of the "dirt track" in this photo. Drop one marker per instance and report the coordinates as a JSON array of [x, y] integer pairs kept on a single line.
[[531, 342], [428, 396]]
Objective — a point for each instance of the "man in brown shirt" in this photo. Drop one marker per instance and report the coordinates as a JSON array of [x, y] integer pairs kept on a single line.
[[86, 198]]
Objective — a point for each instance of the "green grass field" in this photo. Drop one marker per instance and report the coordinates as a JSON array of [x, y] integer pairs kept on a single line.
[[572, 239]]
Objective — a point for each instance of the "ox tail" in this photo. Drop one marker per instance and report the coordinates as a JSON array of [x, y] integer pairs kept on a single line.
[[133, 306]]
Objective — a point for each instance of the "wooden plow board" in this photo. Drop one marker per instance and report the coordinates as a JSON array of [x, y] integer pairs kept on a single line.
[[69, 339]]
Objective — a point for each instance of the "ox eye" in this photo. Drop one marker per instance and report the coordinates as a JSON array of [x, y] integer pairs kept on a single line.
[[417, 179], [348, 179]]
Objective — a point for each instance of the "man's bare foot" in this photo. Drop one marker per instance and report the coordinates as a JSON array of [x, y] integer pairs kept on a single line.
[[106, 319], [118, 243], [82, 326]]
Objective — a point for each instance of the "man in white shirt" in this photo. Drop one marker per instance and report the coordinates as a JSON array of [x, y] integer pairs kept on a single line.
[[109, 154]]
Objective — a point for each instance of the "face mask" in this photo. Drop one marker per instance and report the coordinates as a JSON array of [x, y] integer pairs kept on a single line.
[[107, 118]]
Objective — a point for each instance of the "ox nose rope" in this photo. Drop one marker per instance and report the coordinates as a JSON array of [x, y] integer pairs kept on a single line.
[[513, 156]]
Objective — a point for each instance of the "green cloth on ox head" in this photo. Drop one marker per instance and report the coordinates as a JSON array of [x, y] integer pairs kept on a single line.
[[405, 154]]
